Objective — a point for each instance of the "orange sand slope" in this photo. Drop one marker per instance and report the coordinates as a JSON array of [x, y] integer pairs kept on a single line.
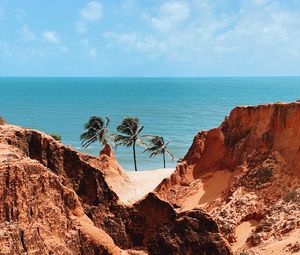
[[246, 174]]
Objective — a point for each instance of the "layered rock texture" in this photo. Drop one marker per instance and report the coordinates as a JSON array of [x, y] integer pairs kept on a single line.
[[246, 174], [55, 200], [240, 180]]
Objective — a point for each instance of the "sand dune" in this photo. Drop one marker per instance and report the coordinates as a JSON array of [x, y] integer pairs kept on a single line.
[[205, 190]]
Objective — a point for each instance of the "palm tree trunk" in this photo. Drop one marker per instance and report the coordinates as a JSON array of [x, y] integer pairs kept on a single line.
[[164, 159], [134, 156]]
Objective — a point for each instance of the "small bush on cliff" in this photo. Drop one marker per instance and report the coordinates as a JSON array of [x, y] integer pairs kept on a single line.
[[56, 136]]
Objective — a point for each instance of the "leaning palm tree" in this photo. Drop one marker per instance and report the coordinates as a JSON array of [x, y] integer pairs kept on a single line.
[[130, 129], [96, 129], [158, 146]]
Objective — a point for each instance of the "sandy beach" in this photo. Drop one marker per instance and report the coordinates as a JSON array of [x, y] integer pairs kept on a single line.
[[143, 182]]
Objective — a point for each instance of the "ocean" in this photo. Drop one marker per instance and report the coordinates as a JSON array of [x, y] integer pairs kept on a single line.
[[175, 108]]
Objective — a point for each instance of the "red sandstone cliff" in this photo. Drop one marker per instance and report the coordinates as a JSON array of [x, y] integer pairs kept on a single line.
[[246, 173], [55, 200]]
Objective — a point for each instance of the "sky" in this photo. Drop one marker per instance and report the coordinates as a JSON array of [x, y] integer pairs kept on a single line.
[[151, 38]]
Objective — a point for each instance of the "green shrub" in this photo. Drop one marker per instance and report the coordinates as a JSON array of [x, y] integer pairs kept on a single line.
[[56, 136]]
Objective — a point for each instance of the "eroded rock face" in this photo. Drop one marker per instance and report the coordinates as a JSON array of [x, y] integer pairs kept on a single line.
[[2, 121], [199, 227], [252, 159], [40, 210], [55, 200]]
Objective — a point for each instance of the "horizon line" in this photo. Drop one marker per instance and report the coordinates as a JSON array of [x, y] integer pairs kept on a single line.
[[204, 76]]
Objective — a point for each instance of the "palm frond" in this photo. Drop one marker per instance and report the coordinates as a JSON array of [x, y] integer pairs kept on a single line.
[[107, 122], [119, 138], [139, 130], [112, 138], [129, 126], [141, 142], [166, 144], [123, 140], [96, 128], [88, 142], [157, 141], [102, 136], [154, 154], [87, 135], [149, 136], [157, 146], [94, 122], [170, 155], [124, 129], [152, 148]]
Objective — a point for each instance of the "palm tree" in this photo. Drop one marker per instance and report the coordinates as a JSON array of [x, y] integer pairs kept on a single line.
[[158, 146], [130, 129], [96, 129]]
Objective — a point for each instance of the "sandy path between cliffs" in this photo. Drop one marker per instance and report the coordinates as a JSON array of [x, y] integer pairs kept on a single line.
[[141, 183]]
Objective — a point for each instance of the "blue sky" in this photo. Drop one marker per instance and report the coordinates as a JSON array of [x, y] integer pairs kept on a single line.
[[149, 38]]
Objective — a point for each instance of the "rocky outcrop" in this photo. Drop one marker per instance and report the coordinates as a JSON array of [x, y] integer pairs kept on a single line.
[[241, 171], [164, 231], [2, 121], [55, 200], [41, 211]]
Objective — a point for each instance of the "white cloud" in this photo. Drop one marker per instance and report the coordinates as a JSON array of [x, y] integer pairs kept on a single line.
[[128, 7], [51, 37], [91, 12], [93, 52], [203, 5], [5, 49], [170, 15], [230, 35], [84, 42], [63, 49], [80, 26], [20, 14], [90, 51], [244, 37], [260, 2], [143, 44], [123, 38], [27, 34]]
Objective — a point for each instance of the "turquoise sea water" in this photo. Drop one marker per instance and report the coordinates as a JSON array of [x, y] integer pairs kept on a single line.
[[176, 108]]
